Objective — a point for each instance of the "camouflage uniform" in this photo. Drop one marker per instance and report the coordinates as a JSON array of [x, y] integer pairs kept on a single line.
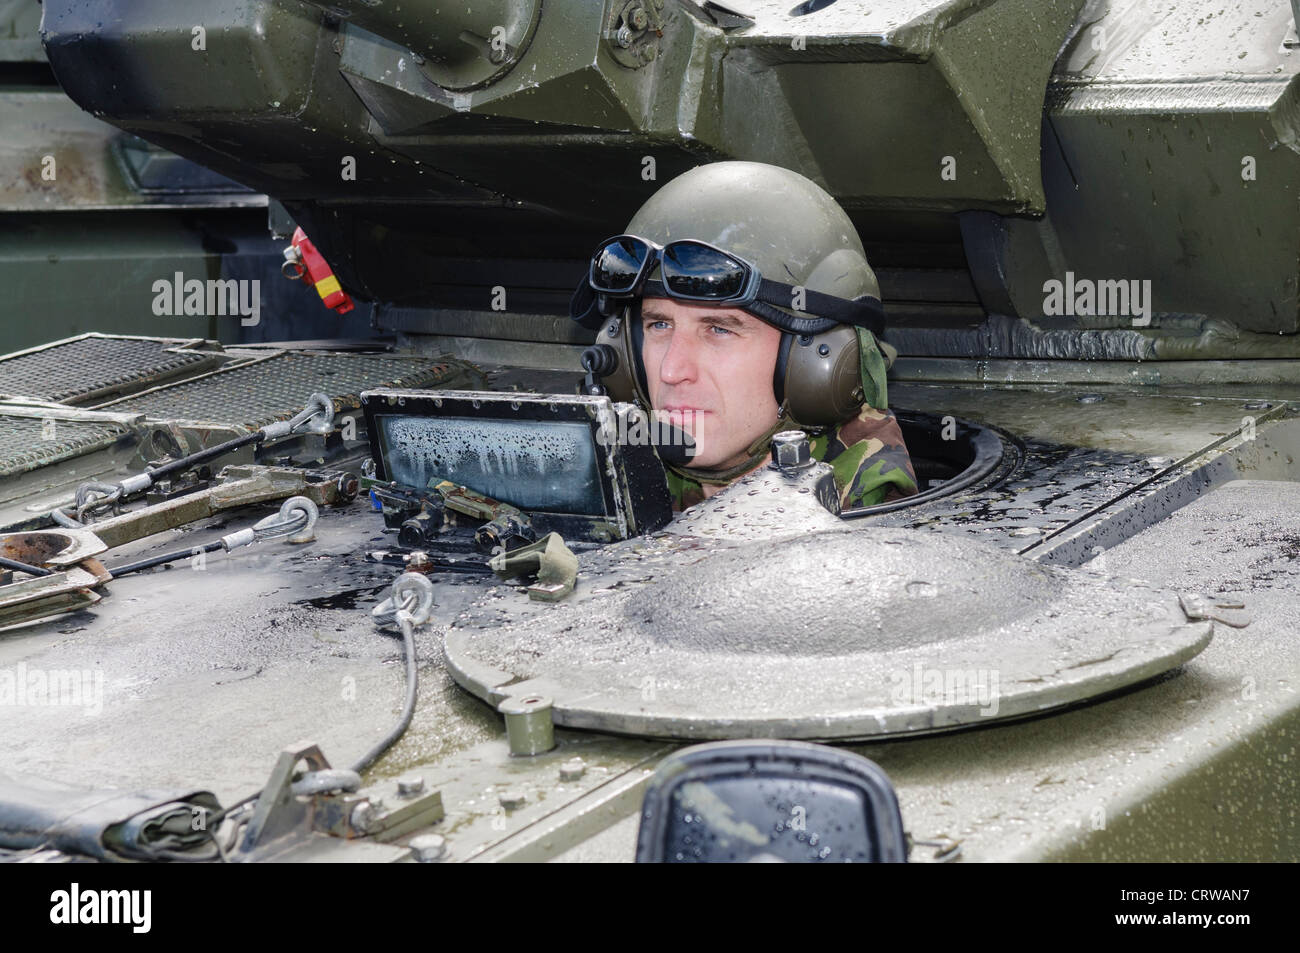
[[866, 453]]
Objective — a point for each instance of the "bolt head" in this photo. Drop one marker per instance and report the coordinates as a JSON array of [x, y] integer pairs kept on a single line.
[[638, 19], [418, 559], [525, 705], [410, 785], [428, 848], [572, 770], [513, 799], [363, 817], [791, 450]]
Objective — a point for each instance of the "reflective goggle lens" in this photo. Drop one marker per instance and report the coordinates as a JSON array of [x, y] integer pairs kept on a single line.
[[697, 271], [616, 266]]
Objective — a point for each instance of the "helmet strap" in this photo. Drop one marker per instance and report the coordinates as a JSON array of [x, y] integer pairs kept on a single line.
[[782, 359], [755, 453]]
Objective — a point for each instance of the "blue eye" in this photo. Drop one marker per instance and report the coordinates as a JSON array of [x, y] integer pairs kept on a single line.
[[717, 327]]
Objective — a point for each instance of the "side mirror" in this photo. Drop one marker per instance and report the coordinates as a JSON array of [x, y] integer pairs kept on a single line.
[[769, 801]]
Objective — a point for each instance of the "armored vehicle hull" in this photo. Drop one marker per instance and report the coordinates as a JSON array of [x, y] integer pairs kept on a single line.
[[1075, 643]]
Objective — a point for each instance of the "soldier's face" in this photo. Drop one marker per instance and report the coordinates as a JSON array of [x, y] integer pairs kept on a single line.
[[709, 371]]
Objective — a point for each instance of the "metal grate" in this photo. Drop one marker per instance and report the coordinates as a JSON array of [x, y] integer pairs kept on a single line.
[[274, 388], [82, 369], [29, 442]]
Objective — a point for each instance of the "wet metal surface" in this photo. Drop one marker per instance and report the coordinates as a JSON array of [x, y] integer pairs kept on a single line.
[[78, 369], [207, 674], [210, 667], [254, 394], [1200, 766], [847, 634], [1082, 457], [27, 443]]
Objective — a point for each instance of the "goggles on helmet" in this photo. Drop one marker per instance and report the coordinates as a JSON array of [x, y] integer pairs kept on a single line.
[[692, 270]]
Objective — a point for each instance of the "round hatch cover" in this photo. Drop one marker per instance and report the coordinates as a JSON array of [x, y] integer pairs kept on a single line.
[[847, 634]]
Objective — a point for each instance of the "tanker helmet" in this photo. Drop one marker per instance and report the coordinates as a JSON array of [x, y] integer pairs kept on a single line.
[[794, 234]]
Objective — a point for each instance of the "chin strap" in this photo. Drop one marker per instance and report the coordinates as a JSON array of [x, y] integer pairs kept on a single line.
[[755, 453]]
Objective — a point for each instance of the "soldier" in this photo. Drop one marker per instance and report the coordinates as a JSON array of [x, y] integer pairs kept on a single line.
[[738, 304]]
